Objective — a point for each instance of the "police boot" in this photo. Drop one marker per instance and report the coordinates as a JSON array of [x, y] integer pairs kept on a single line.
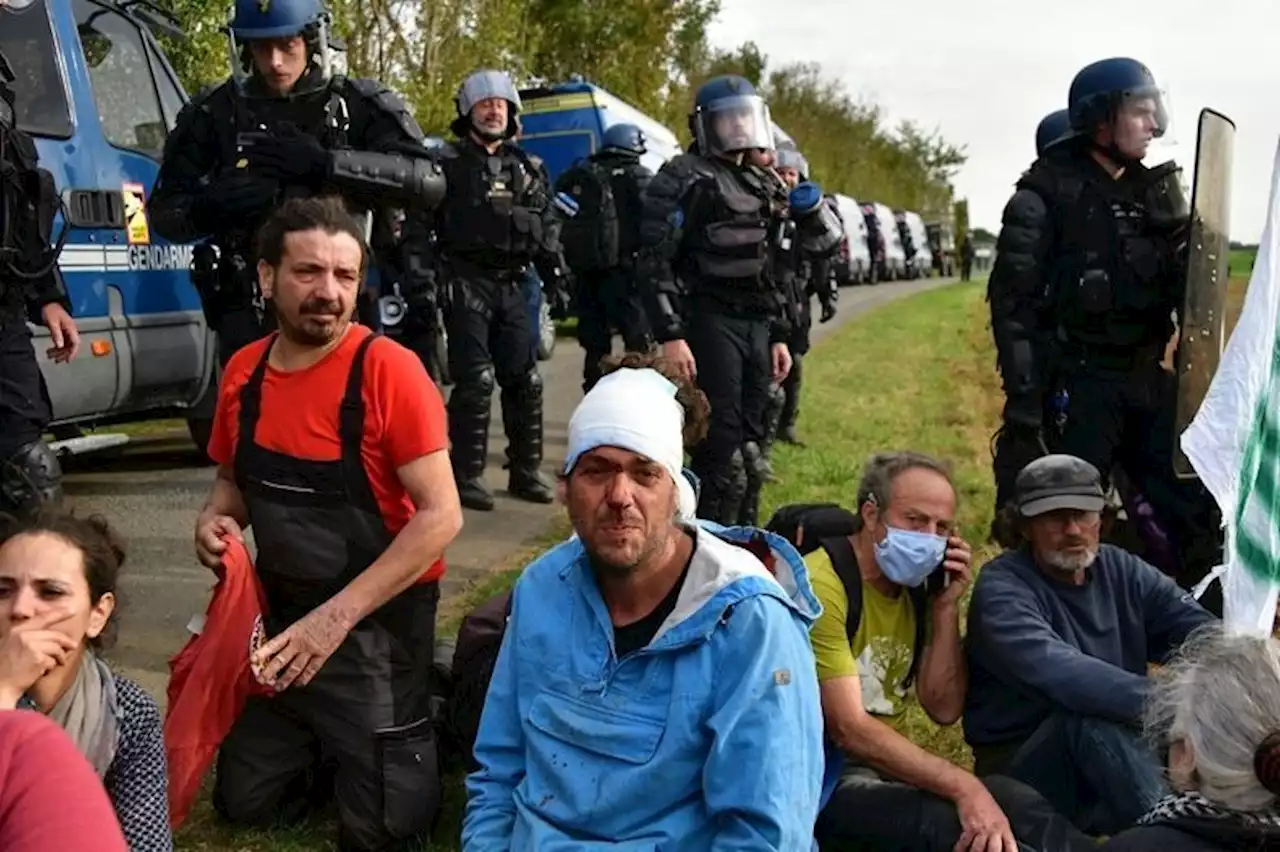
[[772, 418], [755, 468], [469, 434], [30, 478], [722, 491], [522, 420]]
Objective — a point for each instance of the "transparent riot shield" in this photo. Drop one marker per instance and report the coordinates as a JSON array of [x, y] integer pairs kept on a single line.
[[1202, 320]]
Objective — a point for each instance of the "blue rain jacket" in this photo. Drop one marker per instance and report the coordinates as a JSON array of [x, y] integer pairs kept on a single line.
[[709, 738]]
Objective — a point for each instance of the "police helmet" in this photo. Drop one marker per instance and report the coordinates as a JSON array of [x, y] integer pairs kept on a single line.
[[790, 158], [482, 86], [270, 19], [729, 117], [624, 138], [1054, 128], [1101, 89]]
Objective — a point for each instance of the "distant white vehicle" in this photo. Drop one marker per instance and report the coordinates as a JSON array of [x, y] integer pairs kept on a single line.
[[914, 236], [853, 266], [887, 255]]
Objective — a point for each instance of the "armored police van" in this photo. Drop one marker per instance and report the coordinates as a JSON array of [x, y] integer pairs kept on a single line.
[[563, 123], [97, 93]]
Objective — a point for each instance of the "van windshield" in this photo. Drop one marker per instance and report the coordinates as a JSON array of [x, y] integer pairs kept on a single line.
[[26, 40]]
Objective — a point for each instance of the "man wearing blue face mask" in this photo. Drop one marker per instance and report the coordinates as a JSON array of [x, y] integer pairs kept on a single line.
[[889, 634]]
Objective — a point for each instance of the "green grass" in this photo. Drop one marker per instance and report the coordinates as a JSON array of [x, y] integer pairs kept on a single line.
[[917, 373], [1241, 261]]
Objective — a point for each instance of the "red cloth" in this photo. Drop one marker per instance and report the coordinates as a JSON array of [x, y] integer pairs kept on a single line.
[[50, 797], [210, 680]]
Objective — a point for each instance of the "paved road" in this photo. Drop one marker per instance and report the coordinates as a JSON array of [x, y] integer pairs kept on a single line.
[[153, 491]]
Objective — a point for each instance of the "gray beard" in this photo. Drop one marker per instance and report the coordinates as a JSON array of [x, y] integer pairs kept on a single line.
[[1069, 564]]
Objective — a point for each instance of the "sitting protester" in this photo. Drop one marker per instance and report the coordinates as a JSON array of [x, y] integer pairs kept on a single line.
[[57, 594], [1061, 631], [480, 634], [1214, 714], [889, 634], [654, 687]]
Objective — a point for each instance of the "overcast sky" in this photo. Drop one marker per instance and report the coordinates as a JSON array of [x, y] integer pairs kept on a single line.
[[984, 72]]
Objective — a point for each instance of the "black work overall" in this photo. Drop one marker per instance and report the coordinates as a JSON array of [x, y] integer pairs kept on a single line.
[[365, 715]]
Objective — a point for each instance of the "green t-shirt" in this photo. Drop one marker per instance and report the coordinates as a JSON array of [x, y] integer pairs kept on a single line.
[[881, 652]]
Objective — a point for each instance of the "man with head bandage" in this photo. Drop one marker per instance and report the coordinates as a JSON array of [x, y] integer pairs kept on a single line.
[[655, 682]]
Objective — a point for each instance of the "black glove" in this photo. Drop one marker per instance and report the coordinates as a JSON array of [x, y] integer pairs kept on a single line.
[[828, 311], [560, 302], [233, 197], [287, 154]]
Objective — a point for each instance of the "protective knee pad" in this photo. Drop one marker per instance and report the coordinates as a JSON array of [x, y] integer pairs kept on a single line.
[[30, 478], [752, 463]]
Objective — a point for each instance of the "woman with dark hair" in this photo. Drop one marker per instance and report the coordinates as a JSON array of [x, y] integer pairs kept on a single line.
[[1214, 714], [58, 577]]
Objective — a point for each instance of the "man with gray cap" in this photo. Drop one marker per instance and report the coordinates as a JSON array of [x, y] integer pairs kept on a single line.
[[1061, 631], [655, 687]]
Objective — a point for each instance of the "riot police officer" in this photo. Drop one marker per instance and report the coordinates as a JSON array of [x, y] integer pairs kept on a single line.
[[1009, 454], [30, 287], [710, 227], [283, 125], [600, 244], [810, 274], [1089, 271], [497, 217]]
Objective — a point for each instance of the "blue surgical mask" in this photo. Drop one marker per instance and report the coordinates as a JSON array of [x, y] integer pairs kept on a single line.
[[907, 557]]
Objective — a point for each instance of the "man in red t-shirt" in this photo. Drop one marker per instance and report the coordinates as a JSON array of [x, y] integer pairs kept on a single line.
[[332, 443]]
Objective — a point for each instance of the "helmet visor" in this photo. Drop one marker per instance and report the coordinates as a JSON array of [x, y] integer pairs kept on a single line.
[[729, 125], [1141, 117]]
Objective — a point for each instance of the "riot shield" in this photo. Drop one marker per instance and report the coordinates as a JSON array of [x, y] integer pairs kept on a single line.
[[1202, 319]]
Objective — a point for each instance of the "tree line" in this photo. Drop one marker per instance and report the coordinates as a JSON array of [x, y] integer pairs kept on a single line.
[[651, 53]]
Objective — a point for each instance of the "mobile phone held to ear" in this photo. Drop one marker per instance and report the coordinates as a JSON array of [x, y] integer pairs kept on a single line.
[[938, 581]]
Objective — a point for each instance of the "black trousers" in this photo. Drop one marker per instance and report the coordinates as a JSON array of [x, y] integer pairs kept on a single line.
[[25, 409], [608, 302], [362, 725], [1125, 420], [734, 371], [870, 814], [491, 343]]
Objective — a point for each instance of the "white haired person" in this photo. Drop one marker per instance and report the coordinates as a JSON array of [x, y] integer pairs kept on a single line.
[[1214, 714], [655, 687]]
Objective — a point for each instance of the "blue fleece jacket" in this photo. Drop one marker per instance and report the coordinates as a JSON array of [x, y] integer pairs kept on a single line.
[[709, 738], [1037, 645]]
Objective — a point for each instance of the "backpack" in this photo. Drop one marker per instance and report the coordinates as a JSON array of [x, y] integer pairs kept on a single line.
[[828, 526], [474, 658], [591, 239]]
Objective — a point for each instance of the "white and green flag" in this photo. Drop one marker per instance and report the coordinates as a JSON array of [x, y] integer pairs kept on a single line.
[[1234, 441]]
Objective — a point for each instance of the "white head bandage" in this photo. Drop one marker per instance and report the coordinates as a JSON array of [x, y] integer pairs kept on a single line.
[[632, 410]]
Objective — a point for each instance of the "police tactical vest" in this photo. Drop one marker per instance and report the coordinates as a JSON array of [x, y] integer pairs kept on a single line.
[[1111, 275], [485, 219], [28, 203], [592, 238], [732, 241]]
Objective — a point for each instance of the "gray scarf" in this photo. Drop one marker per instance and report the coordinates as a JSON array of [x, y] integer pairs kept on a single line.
[[89, 712]]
